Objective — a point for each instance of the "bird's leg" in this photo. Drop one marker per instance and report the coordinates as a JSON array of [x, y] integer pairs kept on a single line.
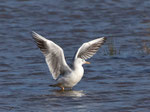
[[58, 85], [62, 88]]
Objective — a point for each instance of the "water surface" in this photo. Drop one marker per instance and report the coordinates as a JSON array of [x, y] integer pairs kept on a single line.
[[118, 78]]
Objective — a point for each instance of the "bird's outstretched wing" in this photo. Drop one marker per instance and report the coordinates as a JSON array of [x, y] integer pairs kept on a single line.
[[54, 55], [88, 49]]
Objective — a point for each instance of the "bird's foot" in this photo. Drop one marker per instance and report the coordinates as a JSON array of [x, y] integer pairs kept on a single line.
[[62, 88]]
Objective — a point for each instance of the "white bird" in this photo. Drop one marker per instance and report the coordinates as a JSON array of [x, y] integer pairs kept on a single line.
[[65, 76]]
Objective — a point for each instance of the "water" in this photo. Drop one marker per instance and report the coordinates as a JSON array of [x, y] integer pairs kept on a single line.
[[118, 79]]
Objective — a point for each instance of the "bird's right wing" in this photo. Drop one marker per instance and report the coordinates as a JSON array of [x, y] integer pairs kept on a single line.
[[88, 49], [54, 55]]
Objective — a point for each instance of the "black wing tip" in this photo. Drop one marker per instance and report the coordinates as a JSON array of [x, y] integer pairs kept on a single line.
[[104, 38], [33, 33], [102, 41]]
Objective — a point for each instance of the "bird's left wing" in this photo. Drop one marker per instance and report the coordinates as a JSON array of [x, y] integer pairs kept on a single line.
[[54, 55], [88, 49]]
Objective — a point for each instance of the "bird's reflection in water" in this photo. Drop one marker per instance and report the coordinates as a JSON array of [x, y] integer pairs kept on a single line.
[[70, 93]]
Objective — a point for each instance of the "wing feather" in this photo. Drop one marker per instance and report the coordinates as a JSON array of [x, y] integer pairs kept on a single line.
[[88, 49], [54, 55]]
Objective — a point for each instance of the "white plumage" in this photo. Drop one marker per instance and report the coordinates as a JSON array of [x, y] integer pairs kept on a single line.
[[66, 77]]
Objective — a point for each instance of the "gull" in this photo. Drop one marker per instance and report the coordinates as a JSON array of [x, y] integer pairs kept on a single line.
[[66, 76]]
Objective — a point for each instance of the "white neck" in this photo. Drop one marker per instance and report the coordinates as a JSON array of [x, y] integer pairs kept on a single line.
[[76, 65], [78, 68]]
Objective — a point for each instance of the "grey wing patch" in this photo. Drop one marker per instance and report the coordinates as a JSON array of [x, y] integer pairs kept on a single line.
[[87, 50], [54, 64], [54, 55]]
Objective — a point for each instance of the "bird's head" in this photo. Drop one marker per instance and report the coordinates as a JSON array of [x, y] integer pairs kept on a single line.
[[81, 61]]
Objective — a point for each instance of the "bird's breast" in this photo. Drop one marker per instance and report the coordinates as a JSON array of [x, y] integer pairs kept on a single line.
[[78, 74], [71, 79]]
